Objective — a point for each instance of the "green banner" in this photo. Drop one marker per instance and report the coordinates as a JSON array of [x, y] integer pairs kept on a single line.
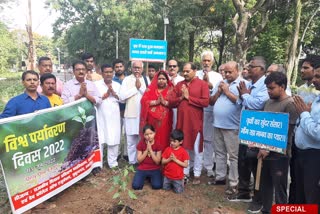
[[45, 152]]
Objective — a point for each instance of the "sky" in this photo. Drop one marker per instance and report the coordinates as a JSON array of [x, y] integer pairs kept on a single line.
[[15, 16]]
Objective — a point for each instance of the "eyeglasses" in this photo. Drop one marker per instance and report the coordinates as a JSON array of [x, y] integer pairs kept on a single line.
[[254, 66], [172, 66], [80, 69]]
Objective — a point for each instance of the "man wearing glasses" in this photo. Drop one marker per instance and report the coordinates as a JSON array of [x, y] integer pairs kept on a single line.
[[173, 69], [80, 87], [252, 98], [131, 91]]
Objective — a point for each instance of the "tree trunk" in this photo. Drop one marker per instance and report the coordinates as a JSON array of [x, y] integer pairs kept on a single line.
[[296, 64], [191, 45], [241, 43], [292, 53], [222, 42], [245, 36]]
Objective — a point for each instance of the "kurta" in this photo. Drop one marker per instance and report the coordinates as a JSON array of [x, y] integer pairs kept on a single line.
[[190, 112], [132, 97], [108, 115]]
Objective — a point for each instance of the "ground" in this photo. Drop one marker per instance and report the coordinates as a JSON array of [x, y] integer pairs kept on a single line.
[[91, 195]]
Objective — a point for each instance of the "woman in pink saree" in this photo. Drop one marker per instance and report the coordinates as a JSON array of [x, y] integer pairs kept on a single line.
[[155, 110]]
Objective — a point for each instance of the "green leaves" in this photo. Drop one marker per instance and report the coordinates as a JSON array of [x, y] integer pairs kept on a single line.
[[89, 118], [132, 195], [116, 195], [83, 118], [120, 184], [8, 49], [81, 111], [77, 118]]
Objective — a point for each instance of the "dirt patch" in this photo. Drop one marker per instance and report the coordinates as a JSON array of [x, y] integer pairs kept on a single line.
[[91, 195]]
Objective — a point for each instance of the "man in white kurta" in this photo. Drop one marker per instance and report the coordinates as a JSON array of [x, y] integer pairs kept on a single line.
[[131, 92], [175, 77], [212, 78], [108, 118]]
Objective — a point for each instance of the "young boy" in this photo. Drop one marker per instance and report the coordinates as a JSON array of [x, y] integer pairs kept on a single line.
[[174, 159]]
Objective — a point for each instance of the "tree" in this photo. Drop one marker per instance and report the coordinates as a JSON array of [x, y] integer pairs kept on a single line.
[[8, 49], [292, 53], [315, 8], [95, 24], [250, 20]]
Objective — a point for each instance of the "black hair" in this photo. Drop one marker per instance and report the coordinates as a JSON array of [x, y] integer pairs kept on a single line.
[[87, 56], [24, 74], [148, 126], [43, 58], [164, 74], [46, 76], [313, 60], [151, 66], [116, 61], [262, 62], [193, 66], [105, 66], [278, 78], [177, 135], [77, 63]]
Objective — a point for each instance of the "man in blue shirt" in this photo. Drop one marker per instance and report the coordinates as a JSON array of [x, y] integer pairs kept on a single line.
[[307, 148], [226, 122], [253, 97], [28, 102]]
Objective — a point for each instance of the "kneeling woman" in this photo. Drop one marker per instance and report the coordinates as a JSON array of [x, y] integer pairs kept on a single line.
[[149, 158]]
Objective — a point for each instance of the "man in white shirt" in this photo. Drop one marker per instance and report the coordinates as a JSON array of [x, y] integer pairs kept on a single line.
[[212, 78], [131, 92], [173, 69], [108, 118]]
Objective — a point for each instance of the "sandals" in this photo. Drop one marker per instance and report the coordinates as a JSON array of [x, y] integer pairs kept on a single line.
[[196, 181]]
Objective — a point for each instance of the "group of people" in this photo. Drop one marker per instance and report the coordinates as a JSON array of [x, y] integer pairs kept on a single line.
[[175, 122]]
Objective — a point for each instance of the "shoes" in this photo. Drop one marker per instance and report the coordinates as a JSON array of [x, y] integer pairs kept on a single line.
[[240, 197], [215, 182], [231, 190], [186, 179], [196, 180], [254, 207], [210, 174], [96, 171]]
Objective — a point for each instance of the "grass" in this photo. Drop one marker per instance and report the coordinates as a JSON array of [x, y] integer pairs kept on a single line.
[[9, 88]]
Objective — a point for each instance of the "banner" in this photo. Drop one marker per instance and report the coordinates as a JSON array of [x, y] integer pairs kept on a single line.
[[45, 152], [148, 50], [265, 130]]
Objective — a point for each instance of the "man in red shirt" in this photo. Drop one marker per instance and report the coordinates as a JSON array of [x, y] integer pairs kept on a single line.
[[190, 97]]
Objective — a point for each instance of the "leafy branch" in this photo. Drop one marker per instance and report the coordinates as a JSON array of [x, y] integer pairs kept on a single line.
[[120, 184], [83, 118]]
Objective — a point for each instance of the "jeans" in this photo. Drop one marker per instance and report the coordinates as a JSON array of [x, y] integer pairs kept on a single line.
[[141, 175], [177, 185], [274, 179], [247, 164], [307, 176]]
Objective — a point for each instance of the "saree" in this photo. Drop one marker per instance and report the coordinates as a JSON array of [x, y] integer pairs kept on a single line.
[[159, 116]]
